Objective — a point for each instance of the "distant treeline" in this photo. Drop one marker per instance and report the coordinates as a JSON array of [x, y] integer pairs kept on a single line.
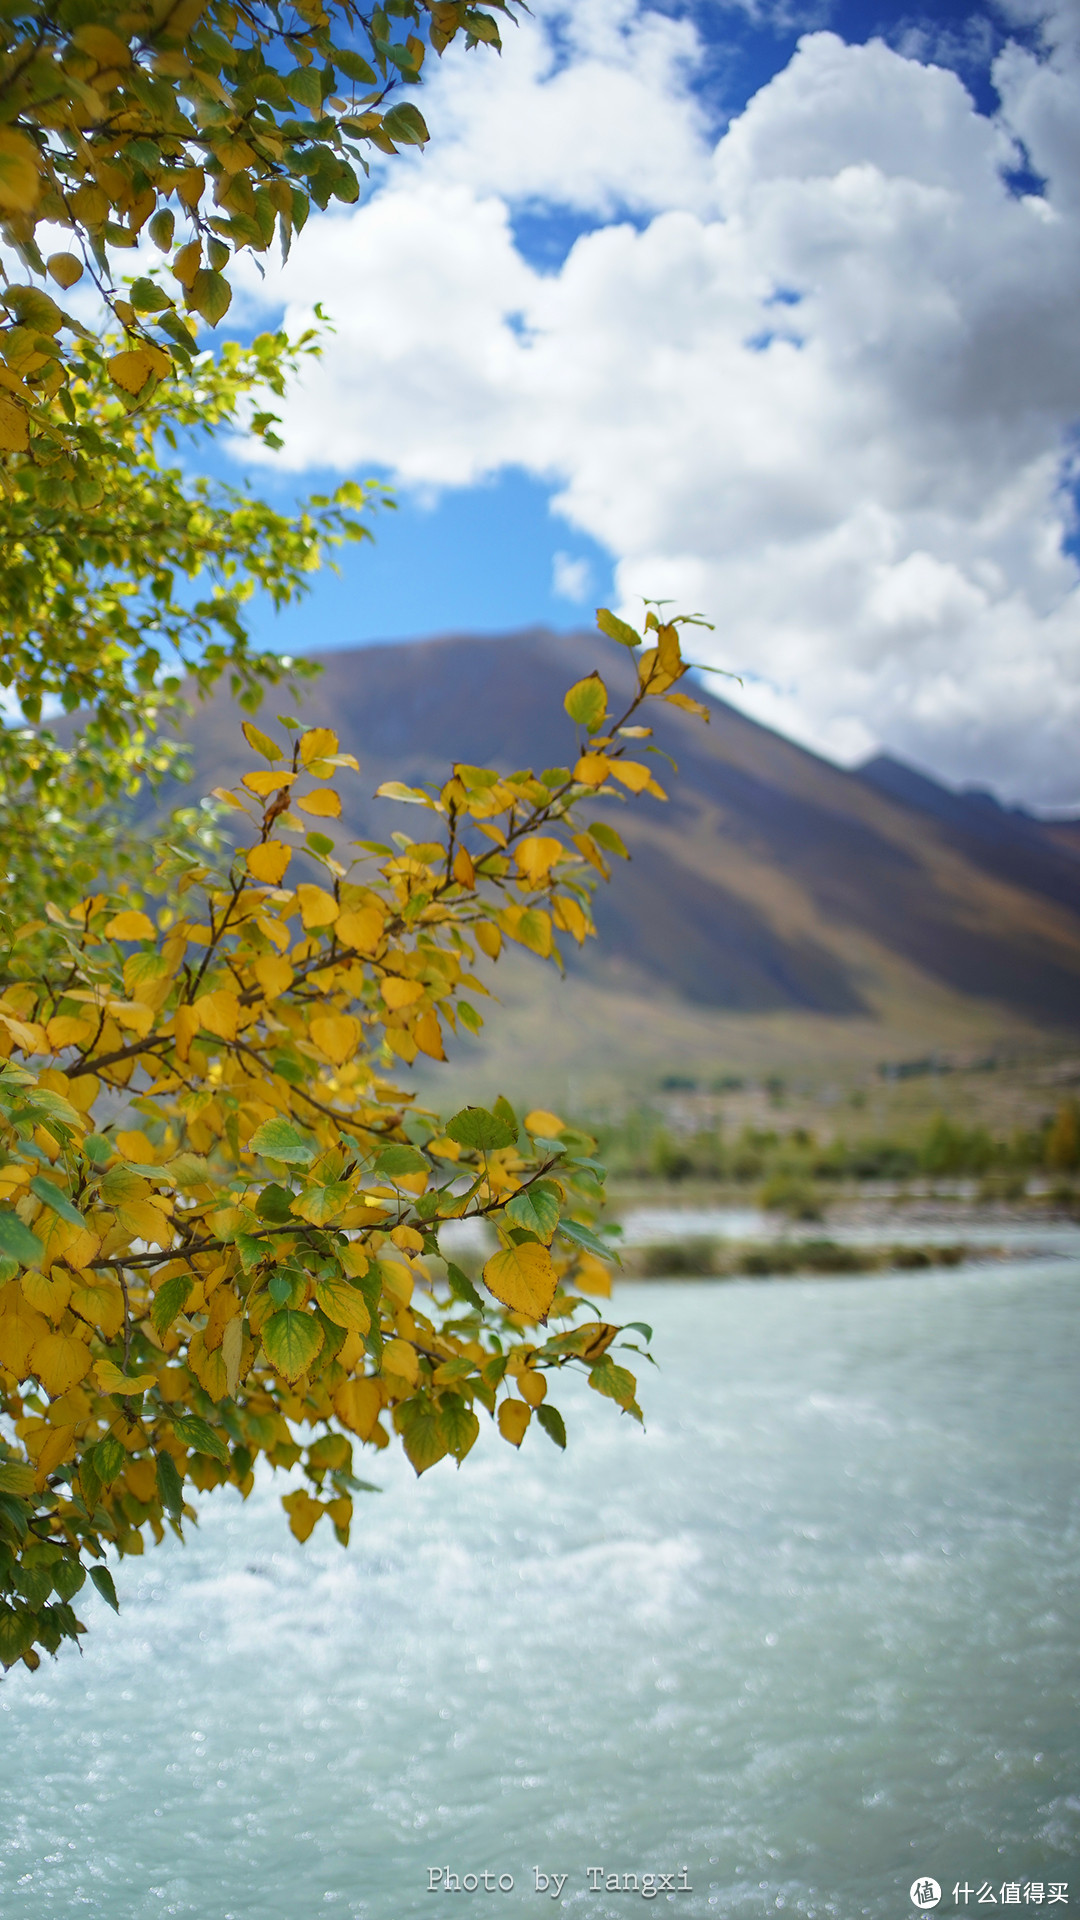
[[643, 1147]]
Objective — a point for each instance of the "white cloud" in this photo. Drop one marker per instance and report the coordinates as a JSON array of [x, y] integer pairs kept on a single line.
[[822, 389], [570, 578]]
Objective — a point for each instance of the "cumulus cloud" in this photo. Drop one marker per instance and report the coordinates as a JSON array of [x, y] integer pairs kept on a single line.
[[817, 379]]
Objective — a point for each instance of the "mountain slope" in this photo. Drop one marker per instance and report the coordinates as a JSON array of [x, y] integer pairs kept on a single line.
[[773, 887]]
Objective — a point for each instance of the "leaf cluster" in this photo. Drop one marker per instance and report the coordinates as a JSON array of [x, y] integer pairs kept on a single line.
[[220, 1216], [210, 126], [117, 607]]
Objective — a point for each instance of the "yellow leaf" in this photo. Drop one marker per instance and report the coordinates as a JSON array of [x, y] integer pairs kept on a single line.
[[336, 1035], [463, 869], [397, 1281], [684, 701], [76, 1245], [343, 1304], [65, 268], [400, 1359], [428, 1035], [265, 783], [591, 1275], [268, 861], [132, 369], [636, 777], [317, 908], [532, 1387], [358, 1404], [49, 1293], [407, 1240], [546, 1124], [273, 974], [570, 917], [21, 1326], [208, 1367], [361, 929], [260, 741], [102, 45], [60, 1361], [134, 1145], [59, 1445], [324, 803], [531, 928], [232, 1347], [304, 1513], [218, 1013], [143, 1221], [185, 1027], [130, 926], [488, 939], [316, 743], [14, 426], [400, 993], [536, 856], [592, 769], [523, 1278], [20, 175], [64, 1030], [99, 1301], [514, 1417], [111, 1379]]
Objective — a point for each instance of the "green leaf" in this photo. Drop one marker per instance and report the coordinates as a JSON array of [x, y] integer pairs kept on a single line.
[[251, 1250], [351, 65], [201, 1438], [15, 1478], [52, 1197], [504, 1111], [537, 1208], [405, 124], [607, 838], [615, 1382], [639, 1326], [552, 1422], [462, 1287], [586, 703], [16, 1635], [210, 294], [476, 1127], [460, 1425], [421, 1429], [170, 1299], [170, 1486], [583, 1237], [616, 629], [279, 1140], [292, 1340], [18, 1240], [304, 84], [147, 297], [395, 1162], [68, 1577], [103, 1581], [274, 1204], [107, 1458]]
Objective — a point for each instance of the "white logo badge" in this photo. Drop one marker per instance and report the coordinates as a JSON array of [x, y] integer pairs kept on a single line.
[[925, 1893]]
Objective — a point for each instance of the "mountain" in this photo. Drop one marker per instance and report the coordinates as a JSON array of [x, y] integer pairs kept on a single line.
[[777, 909]]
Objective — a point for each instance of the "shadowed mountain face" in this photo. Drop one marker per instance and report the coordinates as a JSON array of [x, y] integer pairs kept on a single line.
[[771, 881]]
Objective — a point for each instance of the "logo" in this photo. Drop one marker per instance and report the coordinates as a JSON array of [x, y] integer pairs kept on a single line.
[[925, 1893]]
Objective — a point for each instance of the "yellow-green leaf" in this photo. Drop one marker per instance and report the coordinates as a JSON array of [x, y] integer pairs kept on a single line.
[[292, 1340], [523, 1278]]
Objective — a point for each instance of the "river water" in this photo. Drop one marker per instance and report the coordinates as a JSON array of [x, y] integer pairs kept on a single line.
[[811, 1636]]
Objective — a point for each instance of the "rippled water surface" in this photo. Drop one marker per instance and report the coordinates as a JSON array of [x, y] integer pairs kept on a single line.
[[813, 1634]]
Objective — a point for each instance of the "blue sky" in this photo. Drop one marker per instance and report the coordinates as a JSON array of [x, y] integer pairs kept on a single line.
[[767, 306]]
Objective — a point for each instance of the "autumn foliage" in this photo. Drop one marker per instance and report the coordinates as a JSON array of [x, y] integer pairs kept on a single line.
[[220, 1213]]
